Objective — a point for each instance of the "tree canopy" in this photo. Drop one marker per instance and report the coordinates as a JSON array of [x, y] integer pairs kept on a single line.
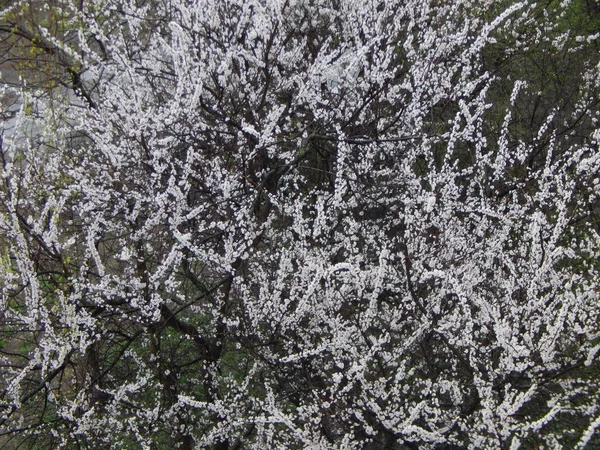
[[279, 224]]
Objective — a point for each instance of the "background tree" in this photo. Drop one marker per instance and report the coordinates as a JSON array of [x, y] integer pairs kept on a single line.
[[298, 224]]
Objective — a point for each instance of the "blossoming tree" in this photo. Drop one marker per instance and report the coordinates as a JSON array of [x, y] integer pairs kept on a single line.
[[299, 224]]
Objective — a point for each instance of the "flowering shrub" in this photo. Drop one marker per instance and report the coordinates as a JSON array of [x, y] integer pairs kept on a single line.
[[298, 224]]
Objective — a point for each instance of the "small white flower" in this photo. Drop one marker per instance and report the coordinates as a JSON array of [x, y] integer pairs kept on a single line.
[[125, 254], [430, 203]]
